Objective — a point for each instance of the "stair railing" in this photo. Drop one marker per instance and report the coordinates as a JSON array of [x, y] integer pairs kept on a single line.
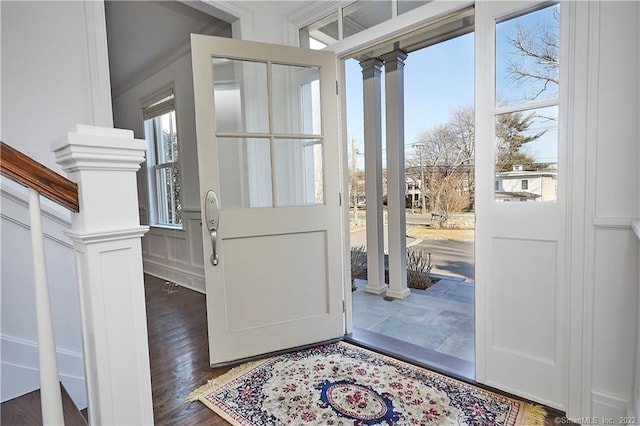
[[106, 235], [42, 180]]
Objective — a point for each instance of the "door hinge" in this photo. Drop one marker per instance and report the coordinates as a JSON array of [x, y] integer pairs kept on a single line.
[[337, 93], [340, 198], [344, 307]]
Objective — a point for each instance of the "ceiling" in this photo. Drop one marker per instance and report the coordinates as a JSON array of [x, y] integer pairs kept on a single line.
[[145, 36]]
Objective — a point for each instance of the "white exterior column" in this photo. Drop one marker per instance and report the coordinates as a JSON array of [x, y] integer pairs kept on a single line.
[[372, 98], [394, 96], [106, 235]]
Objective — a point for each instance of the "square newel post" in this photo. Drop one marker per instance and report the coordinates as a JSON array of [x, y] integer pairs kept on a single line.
[[394, 96], [106, 234], [372, 100]]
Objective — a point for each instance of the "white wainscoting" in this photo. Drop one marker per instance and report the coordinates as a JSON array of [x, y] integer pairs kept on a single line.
[[21, 373], [176, 255], [18, 335]]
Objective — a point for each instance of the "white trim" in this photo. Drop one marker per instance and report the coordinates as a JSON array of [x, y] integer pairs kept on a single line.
[[393, 28], [601, 222], [242, 27], [101, 237], [20, 357], [573, 113], [590, 138], [603, 405], [182, 277], [635, 225], [97, 51]]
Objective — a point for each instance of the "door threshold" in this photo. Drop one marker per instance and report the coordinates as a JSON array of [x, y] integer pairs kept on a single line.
[[423, 357]]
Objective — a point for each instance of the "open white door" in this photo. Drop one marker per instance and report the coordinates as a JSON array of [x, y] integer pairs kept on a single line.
[[521, 209], [269, 182]]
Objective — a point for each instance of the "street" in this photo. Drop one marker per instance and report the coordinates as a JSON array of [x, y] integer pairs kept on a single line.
[[450, 257]]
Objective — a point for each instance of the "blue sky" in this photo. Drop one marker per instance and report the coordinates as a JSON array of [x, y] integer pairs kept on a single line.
[[439, 80]]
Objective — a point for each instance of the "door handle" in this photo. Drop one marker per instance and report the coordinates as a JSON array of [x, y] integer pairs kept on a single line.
[[212, 217], [214, 256]]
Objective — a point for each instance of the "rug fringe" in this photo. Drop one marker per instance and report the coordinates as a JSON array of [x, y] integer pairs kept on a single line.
[[534, 415], [216, 382]]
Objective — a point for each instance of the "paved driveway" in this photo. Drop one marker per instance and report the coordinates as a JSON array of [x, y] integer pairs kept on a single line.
[[450, 257]]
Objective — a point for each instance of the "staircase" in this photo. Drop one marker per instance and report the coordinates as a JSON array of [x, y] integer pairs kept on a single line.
[[26, 410]]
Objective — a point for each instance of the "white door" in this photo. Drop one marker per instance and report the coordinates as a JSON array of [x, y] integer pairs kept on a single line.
[[521, 208], [268, 157]]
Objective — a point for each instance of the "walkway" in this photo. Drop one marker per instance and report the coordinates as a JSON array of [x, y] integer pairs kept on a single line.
[[440, 318]]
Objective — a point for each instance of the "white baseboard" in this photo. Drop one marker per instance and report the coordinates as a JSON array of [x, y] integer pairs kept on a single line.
[[605, 406], [633, 410], [21, 373], [181, 277]]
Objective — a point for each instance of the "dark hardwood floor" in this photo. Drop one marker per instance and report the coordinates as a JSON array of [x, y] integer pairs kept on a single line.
[[180, 360], [26, 410], [179, 357], [179, 354]]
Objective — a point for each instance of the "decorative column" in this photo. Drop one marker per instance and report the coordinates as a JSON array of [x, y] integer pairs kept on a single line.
[[394, 96], [106, 234], [372, 99]]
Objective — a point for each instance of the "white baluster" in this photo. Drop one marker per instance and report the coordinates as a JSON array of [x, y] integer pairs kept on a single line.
[[50, 395]]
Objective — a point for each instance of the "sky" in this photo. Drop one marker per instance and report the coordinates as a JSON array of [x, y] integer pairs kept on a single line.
[[440, 79]]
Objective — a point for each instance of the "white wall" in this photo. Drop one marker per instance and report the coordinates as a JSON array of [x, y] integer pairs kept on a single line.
[[47, 88], [174, 255], [617, 197]]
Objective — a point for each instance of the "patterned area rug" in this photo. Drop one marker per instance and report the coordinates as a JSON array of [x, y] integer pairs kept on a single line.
[[342, 384]]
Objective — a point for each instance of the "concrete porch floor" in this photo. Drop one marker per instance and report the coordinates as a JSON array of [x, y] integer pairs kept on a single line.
[[440, 318]]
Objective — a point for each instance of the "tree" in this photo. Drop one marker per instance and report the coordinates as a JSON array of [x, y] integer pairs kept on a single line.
[[536, 60], [444, 157], [511, 135]]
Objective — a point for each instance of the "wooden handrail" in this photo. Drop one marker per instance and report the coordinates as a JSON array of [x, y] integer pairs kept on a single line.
[[26, 171]]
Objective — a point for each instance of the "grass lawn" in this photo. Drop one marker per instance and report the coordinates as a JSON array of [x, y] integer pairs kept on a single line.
[[426, 233]]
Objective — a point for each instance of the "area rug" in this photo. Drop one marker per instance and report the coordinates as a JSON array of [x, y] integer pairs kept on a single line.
[[342, 384]]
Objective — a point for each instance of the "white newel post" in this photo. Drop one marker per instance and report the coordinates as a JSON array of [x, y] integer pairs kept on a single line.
[[107, 242]]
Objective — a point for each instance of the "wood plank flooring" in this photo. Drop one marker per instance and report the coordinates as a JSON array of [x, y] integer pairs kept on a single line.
[[26, 410], [179, 355]]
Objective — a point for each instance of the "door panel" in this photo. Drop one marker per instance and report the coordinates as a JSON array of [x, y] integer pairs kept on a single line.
[[521, 211], [267, 146]]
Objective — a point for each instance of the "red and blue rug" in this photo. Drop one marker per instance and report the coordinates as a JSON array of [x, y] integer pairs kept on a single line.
[[342, 384]]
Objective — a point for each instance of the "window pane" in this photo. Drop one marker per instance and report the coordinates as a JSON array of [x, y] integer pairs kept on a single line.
[[169, 208], [527, 54], [321, 33], [361, 15], [296, 99], [527, 155], [299, 172], [407, 5], [166, 138], [240, 96], [245, 172]]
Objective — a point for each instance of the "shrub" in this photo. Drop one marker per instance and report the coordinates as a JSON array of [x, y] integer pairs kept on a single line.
[[419, 264], [358, 264]]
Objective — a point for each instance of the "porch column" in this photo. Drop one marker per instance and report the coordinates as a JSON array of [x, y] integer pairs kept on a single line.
[[106, 236], [372, 99], [394, 95]]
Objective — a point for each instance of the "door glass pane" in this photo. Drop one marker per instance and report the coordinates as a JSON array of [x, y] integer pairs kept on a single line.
[[296, 99], [527, 54], [527, 155], [240, 95], [245, 172], [361, 15], [407, 5], [299, 172]]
